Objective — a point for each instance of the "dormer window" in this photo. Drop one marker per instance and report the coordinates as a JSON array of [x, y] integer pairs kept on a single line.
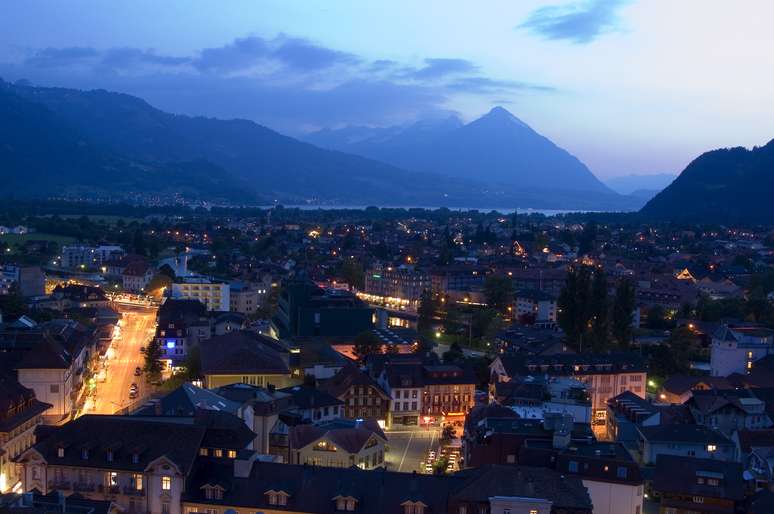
[[135, 458], [411, 507], [85, 453], [345, 503], [60, 452], [110, 456], [277, 498]]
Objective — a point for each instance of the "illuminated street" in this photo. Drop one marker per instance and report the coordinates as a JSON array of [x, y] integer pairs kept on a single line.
[[112, 386], [408, 448]]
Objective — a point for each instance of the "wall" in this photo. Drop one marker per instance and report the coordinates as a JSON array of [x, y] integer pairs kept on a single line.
[[614, 498]]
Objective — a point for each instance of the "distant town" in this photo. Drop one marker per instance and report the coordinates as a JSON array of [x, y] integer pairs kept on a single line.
[[382, 360]]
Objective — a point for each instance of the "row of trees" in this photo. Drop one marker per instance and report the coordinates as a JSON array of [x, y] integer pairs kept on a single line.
[[588, 315]]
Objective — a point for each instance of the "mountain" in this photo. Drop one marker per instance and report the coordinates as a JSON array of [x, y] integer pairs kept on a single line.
[[721, 186], [266, 162], [631, 184], [497, 148], [41, 155]]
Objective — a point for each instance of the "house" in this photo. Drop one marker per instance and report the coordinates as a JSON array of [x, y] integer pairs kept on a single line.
[[314, 405], [246, 298], [605, 375], [136, 276], [678, 389], [20, 414], [140, 464], [403, 383], [696, 485], [736, 348], [228, 322], [54, 502], [361, 395], [399, 287], [534, 306], [448, 393], [180, 325], [684, 440], [338, 444], [608, 471], [244, 357], [268, 487], [729, 410], [627, 411]]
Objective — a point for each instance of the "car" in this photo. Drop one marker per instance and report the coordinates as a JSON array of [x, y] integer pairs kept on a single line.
[[133, 387], [137, 371], [142, 349], [133, 394]]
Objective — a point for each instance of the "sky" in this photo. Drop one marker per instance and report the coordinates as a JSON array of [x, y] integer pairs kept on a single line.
[[628, 86]]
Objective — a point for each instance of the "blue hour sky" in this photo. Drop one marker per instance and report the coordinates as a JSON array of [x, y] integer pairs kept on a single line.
[[628, 86]]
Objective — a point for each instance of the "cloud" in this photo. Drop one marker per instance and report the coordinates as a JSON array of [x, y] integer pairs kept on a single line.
[[484, 85], [439, 67], [289, 83], [52, 57], [579, 22]]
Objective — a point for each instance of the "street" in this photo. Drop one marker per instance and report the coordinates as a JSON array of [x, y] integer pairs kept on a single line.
[[408, 448], [111, 392]]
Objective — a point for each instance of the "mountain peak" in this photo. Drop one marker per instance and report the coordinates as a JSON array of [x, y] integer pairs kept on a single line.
[[502, 114]]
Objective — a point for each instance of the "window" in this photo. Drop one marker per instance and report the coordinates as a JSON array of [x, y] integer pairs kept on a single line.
[[137, 481], [60, 452], [204, 452], [110, 456], [462, 510], [713, 482], [711, 448], [85, 453], [54, 388], [232, 454], [135, 458], [621, 472], [218, 452], [166, 483], [573, 466], [164, 507], [698, 499], [111, 479]]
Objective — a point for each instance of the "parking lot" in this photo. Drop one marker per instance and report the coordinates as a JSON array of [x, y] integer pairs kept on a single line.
[[408, 448]]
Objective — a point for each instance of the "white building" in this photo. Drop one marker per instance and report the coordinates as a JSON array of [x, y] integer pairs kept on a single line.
[[535, 303], [214, 294], [735, 349]]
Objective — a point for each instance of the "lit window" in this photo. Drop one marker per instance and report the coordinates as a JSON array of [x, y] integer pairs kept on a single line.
[[232, 454], [711, 447], [137, 481], [218, 452], [203, 452], [166, 483]]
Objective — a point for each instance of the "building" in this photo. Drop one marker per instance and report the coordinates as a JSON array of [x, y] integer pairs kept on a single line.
[[136, 276], [549, 280], [88, 257], [735, 349], [339, 444], [181, 325], [363, 397], [608, 471], [729, 410], [696, 485], [448, 393], [214, 294], [244, 357], [605, 375], [140, 464], [306, 310], [684, 440], [313, 405], [534, 306], [20, 414], [258, 486], [398, 287], [403, 383], [247, 298], [29, 280]]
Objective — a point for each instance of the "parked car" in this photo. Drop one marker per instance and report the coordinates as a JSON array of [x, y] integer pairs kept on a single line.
[[137, 371]]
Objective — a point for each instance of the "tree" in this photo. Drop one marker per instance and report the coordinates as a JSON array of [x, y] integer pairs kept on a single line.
[[352, 272], [426, 311], [600, 308], [454, 354], [623, 310], [367, 343], [138, 242], [574, 305], [153, 365], [498, 291], [587, 239]]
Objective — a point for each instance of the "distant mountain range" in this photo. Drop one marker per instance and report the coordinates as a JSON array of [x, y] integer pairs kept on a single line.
[[640, 185], [497, 148], [721, 186], [114, 144]]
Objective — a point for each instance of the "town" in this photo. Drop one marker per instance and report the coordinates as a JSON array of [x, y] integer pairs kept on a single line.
[[177, 361]]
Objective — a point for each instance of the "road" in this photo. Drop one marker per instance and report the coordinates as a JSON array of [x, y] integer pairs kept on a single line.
[[136, 327], [408, 448]]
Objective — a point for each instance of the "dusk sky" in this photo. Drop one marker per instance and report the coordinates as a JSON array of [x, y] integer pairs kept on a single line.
[[627, 86]]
